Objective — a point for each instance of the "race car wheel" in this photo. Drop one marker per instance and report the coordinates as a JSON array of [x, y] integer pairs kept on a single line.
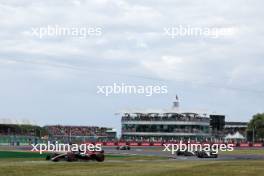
[[49, 156], [99, 157], [70, 157]]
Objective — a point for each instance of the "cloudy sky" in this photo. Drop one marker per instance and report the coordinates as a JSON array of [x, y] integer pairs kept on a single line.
[[54, 79]]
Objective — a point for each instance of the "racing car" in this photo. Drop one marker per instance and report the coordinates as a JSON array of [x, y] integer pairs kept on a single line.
[[123, 147], [77, 156], [185, 153], [206, 154]]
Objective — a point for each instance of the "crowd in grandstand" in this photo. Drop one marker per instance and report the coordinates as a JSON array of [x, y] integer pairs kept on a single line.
[[55, 131], [19, 130], [159, 139], [192, 130], [59, 130], [165, 117]]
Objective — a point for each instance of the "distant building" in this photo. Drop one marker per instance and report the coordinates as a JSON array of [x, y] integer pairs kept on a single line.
[[217, 124], [165, 125], [233, 127], [173, 124]]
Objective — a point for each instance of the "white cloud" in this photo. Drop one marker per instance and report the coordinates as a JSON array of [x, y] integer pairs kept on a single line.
[[132, 47]]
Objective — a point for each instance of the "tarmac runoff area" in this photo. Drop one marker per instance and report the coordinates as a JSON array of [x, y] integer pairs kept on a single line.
[[158, 151]]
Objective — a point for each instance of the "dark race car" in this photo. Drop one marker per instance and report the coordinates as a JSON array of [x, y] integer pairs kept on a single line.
[[185, 153], [77, 156], [206, 154], [123, 147]]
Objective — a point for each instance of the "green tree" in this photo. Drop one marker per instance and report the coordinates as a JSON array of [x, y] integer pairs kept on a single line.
[[256, 127]]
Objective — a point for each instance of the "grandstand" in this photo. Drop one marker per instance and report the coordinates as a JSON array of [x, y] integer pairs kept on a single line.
[[165, 127], [27, 134], [80, 133], [174, 125], [16, 134]]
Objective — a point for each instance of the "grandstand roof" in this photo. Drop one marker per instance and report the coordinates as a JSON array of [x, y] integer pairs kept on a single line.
[[162, 111], [17, 121], [236, 124]]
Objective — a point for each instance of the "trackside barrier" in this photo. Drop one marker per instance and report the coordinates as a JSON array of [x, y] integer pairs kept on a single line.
[[257, 145], [134, 144], [99, 143], [244, 145], [121, 143], [110, 144], [205, 144], [157, 144], [161, 144], [145, 144], [87, 143]]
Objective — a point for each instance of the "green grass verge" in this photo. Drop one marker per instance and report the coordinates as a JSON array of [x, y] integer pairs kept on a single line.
[[245, 152], [15, 163], [21, 154], [146, 168]]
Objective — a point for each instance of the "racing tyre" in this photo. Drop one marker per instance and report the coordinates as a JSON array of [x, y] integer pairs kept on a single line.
[[100, 157]]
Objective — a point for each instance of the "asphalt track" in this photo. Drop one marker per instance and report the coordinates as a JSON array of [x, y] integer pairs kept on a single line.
[[158, 151]]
